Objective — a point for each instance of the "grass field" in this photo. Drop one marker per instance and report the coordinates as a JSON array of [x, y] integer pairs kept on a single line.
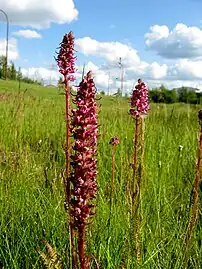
[[32, 138]]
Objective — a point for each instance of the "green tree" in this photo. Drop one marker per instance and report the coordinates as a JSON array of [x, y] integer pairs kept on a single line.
[[192, 97], [182, 94], [170, 96], [12, 72], [2, 66]]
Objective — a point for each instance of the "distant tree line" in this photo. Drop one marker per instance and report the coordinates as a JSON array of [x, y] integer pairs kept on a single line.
[[177, 95], [163, 95], [14, 74]]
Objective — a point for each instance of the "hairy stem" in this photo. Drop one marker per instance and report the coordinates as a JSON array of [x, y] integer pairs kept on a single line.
[[81, 246], [194, 212], [142, 146], [135, 158], [136, 193], [113, 168], [73, 264]]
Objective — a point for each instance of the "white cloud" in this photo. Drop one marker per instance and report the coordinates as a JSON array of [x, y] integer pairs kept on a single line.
[[183, 72], [181, 42], [13, 53], [177, 75], [110, 51], [30, 34], [41, 73], [39, 14], [156, 71], [186, 69]]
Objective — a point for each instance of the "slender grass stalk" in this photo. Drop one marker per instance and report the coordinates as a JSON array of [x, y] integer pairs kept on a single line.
[[195, 205], [178, 159], [114, 142], [19, 113]]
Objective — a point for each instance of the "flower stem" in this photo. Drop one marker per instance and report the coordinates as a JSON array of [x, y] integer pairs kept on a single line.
[[142, 146], [113, 168], [135, 157], [73, 262], [81, 246], [194, 212], [67, 151], [136, 194]]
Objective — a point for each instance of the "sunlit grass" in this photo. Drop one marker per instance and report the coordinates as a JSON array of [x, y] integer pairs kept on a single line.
[[32, 139]]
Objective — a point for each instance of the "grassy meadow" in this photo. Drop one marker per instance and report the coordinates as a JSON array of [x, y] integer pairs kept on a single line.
[[32, 139]]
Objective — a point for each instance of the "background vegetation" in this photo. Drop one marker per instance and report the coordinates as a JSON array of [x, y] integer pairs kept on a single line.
[[32, 141]]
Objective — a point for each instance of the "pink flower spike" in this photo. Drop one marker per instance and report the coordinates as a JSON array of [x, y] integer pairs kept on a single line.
[[84, 128], [139, 99], [66, 59]]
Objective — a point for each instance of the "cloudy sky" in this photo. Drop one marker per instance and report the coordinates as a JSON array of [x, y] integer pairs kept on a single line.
[[159, 41]]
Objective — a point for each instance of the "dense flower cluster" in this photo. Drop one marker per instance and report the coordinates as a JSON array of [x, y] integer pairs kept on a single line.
[[114, 141], [84, 127], [139, 100], [66, 59]]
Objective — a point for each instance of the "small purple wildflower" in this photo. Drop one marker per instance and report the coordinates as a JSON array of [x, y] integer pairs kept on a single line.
[[66, 59], [139, 99], [114, 141]]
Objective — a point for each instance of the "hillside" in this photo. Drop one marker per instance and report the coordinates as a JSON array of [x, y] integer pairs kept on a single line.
[[32, 89]]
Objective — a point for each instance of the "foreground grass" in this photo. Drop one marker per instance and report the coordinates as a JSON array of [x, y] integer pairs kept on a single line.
[[31, 190]]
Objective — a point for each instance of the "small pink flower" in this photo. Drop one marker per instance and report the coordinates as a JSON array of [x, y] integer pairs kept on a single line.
[[114, 141]]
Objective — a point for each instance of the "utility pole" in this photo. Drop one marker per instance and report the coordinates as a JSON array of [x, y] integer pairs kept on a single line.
[[7, 31], [108, 83], [121, 76]]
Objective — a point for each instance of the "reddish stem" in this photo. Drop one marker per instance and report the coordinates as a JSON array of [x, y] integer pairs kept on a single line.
[[142, 147], [136, 142], [113, 167], [67, 179], [198, 167], [67, 150], [195, 193], [193, 217], [81, 246], [135, 158]]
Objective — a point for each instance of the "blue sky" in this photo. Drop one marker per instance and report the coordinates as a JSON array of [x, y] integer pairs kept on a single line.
[[121, 21]]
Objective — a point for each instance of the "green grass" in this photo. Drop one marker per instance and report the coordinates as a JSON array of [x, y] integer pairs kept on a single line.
[[32, 138]]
